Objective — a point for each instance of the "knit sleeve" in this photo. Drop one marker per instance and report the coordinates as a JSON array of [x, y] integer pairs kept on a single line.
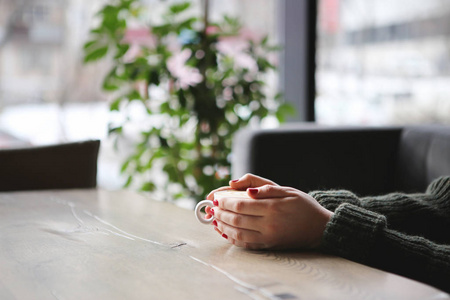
[[423, 214], [363, 236], [333, 198], [426, 214]]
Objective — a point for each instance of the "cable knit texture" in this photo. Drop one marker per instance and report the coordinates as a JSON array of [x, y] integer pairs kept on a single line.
[[407, 234]]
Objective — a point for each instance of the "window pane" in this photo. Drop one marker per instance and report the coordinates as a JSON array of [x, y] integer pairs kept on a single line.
[[383, 62]]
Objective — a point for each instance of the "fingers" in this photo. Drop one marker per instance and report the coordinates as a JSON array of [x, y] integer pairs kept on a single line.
[[208, 214], [263, 200], [251, 246], [240, 230], [208, 210], [265, 196], [243, 183], [244, 206], [249, 180], [271, 191], [238, 220], [249, 239]]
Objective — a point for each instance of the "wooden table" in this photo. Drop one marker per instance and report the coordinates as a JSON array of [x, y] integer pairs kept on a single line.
[[94, 244]]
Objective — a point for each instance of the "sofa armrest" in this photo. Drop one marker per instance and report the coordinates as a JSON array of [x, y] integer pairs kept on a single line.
[[311, 157], [424, 155]]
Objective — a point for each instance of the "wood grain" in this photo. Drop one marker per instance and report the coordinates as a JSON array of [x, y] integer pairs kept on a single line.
[[94, 244]]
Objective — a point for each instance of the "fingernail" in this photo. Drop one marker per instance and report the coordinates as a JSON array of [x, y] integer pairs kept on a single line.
[[217, 229], [235, 180], [252, 191], [212, 211], [225, 236], [215, 223], [215, 202]]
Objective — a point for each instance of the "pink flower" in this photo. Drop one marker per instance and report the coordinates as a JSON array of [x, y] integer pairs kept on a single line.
[[140, 37], [250, 35], [237, 48], [232, 45], [185, 75], [210, 30], [273, 58], [137, 38], [133, 52]]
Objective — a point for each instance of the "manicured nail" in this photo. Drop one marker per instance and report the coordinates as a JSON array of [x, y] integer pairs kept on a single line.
[[215, 223], [215, 202], [235, 180], [225, 236], [252, 191], [212, 211]]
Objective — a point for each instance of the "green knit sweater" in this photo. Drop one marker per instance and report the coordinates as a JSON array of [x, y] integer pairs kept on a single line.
[[406, 234]]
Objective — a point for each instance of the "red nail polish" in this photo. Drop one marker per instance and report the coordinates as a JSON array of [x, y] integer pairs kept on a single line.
[[215, 202], [215, 223], [212, 211], [252, 191], [235, 180], [225, 236]]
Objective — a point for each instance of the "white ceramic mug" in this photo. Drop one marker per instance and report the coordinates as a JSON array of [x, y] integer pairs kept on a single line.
[[217, 196]]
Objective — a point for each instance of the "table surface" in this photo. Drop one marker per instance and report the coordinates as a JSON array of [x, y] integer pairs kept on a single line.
[[96, 244]]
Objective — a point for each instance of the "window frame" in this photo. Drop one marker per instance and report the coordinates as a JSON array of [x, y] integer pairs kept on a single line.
[[297, 21]]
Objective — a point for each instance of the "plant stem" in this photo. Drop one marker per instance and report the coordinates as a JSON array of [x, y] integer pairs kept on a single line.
[[204, 98], [205, 15]]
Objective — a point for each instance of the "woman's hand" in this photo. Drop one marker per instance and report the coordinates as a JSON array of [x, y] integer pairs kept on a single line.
[[274, 217]]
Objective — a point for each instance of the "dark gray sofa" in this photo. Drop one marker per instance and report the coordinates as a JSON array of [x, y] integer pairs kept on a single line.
[[365, 160]]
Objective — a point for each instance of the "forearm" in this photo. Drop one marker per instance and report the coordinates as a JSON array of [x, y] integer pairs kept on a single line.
[[418, 214], [423, 214], [362, 236], [414, 257]]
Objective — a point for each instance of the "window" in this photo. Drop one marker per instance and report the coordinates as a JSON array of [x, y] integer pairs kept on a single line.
[[40, 13], [383, 62]]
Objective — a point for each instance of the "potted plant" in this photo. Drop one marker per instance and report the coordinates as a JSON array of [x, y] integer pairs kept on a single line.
[[198, 82]]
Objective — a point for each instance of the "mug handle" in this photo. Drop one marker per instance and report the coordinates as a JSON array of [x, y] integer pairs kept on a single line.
[[199, 216]]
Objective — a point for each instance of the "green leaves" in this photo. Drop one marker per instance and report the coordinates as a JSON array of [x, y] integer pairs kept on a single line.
[[96, 54], [89, 44], [114, 106], [112, 19], [284, 110], [110, 32], [178, 8], [121, 50], [162, 30], [148, 187], [184, 144]]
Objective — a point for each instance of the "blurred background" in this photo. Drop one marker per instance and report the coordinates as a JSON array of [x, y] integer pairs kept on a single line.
[[378, 62], [383, 62]]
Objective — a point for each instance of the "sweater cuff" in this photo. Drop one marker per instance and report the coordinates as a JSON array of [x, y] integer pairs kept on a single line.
[[352, 232], [332, 199]]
